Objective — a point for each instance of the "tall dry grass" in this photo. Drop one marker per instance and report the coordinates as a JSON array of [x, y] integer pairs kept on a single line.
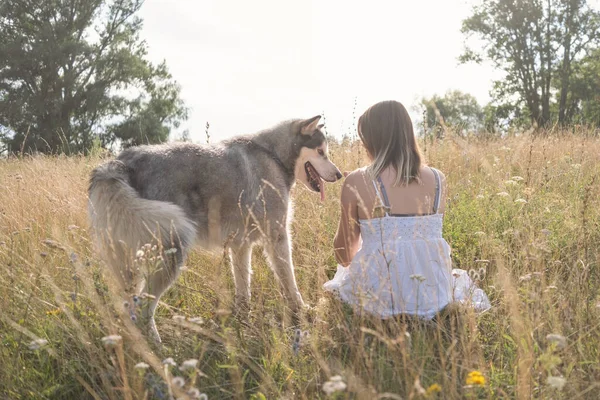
[[523, 213]]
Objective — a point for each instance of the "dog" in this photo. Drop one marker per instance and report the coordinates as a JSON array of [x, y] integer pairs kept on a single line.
[[234, 194]]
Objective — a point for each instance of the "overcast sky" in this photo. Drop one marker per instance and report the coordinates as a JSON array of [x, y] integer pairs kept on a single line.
[[245, 65]]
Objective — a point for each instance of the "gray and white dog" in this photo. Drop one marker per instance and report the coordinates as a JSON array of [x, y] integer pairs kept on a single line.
[[234, 194]]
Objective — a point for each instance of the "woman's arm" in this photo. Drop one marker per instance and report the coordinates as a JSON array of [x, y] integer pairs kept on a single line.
[[347, 239]]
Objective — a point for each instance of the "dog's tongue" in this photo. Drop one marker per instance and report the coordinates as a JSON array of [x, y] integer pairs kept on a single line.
[[322, 184]]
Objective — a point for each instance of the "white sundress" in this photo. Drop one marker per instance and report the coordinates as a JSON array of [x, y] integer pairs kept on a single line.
[[404, 266]]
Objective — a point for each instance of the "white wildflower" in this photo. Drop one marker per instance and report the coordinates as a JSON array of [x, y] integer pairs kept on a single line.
[[139, 254], [502, 194], [111, 341], [576, 166], [510, 182], [171, 251], [196, 320], [480, 196], [141, 366], [169, 361], [517, 178], [525, 278], [521, 201], [479, 233], [561, 341], [557, 382], [37, 344], [178, 382], [334, 384], [189, 364], [194, 393]]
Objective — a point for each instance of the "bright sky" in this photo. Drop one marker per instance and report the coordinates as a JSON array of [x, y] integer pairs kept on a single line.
[[246, 65]]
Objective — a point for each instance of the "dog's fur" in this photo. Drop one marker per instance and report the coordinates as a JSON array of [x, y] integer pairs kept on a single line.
[[234, 194]]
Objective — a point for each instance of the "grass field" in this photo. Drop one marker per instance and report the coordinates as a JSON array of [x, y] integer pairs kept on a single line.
[[525, 210]]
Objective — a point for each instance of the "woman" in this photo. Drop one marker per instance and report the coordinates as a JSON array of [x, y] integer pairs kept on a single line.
[[395, 207]]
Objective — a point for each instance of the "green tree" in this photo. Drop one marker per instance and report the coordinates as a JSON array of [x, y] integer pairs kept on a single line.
[[73, 71], [535, 43], [459, 110], [583, 101]]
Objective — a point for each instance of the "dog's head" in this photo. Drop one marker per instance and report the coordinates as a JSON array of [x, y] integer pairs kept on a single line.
[[313, 165]]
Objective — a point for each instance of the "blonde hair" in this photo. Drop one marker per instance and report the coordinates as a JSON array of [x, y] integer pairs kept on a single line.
[[386, 130]]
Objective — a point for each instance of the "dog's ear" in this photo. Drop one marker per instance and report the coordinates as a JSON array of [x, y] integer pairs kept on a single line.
[[310, 126]]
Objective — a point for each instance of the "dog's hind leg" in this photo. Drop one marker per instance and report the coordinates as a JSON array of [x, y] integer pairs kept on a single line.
[[156, 285], [278, 252], [241, 268]]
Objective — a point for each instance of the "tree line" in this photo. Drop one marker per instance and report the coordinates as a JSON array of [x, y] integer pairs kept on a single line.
[[548, 51], [74, 74]]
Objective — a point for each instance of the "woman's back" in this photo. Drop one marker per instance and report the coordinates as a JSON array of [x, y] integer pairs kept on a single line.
[[415, 198]]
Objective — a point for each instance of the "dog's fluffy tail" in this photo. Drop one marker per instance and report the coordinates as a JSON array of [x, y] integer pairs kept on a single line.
[[123, 221]]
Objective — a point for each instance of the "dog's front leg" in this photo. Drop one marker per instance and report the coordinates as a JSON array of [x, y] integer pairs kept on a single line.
[[278, 252], [240, 257]]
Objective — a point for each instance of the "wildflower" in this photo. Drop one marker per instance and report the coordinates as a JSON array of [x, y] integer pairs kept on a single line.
[[178, 382], [557, 382], [479, 233], [510, 182], [435, 388], [502, 194], [56, 311], [475, 378], [480, 196], [171, 251], [561, 341], [334, 384], [169, 361], [517, 178], [576, 166], [141, 366], [126, 304], [136, 300], [195, 394], [111, 341], [417, 277], [139, 254], [37, 344], [521, 201], [196, 320], [525, 278], [189, 365]]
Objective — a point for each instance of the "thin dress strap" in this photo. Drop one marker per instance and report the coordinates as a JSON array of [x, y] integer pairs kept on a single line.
[[438, 190], [380, 190]]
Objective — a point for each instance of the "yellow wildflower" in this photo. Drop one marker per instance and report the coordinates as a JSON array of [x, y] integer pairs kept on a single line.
[[433, 389], [475, 378], [56, 311]]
